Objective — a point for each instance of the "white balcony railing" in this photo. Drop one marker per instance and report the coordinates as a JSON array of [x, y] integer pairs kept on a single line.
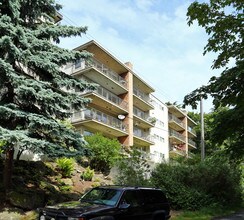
[[177, 120], [100, 117], [142, 134], [141, 95], [83, 64], [177, 135]]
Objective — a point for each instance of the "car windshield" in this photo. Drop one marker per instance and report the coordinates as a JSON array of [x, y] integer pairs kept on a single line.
[[102, 196]]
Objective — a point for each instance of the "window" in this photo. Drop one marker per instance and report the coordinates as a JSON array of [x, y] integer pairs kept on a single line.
[[132, 198], [153, 196]]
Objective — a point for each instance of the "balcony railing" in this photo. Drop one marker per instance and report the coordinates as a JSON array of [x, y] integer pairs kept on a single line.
[[99, 116], [178, 149], [153, 157], [191, 142], [191, 130], [82, 64], [141, 114], [111, 97], [141, 94], [177, 120], [144, 135], [105, 94], [176, 134]]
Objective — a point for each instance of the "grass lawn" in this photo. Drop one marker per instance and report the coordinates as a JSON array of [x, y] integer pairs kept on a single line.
[[204, 214]]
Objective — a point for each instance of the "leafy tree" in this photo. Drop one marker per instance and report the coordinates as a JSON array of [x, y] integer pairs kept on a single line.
[[34, 92], [104, 151], [133, 168], [223, 22]]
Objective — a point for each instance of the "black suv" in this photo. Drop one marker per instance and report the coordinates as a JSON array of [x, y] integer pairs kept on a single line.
[[112, 203]]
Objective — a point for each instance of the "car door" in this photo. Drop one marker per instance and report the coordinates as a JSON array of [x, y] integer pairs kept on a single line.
[[130, 207]]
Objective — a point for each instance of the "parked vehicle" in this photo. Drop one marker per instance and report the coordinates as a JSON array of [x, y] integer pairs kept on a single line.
[[112, 203]]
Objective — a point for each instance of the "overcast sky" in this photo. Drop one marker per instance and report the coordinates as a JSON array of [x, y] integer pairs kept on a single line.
[[153, 35]]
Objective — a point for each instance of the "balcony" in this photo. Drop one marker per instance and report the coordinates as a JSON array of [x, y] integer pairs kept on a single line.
[[97, 121], [101, 74], [175, 123], [142, 100], [191, 132], [155, 157], [141, 138], [142, 118], [191, 143], [107, 100], [176, 137], [175, 151]]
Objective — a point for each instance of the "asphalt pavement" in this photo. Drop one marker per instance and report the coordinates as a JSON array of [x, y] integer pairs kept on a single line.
[[236, 216]]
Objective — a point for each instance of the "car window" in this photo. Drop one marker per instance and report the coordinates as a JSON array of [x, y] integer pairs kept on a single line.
[[132, 198], [102, 196], [153, 196]]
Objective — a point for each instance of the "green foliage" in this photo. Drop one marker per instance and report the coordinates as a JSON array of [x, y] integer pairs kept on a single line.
[[65, 188], [213, 183], [202, 214], [104, 152], [132, 169], [88, 174], [222, 21], [66, 166], [34, 91], [2, 144]]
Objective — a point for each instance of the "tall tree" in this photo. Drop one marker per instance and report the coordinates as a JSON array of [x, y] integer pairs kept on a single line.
[[34, 93], [223, 21]]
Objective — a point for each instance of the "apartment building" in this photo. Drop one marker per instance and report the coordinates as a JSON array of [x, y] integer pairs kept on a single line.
[[123, 106], [181, 133]]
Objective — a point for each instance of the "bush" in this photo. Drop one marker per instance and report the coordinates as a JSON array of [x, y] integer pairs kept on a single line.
[[66, 166], [132, 169], [104, 152], [192, 187], [88, 174]]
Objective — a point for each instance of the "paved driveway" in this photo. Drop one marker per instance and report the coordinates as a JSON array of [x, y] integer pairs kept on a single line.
[[236, 216]]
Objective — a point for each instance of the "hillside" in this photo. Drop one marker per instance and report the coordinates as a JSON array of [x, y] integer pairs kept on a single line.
[[36, 184]]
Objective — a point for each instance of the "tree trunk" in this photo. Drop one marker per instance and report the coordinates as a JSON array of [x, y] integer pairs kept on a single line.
[[8, 168], [19, 154]]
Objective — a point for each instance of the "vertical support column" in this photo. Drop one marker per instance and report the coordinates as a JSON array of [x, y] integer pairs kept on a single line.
[[128, 97], [130, 115]]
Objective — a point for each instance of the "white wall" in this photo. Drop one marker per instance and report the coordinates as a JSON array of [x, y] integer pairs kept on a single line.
[[160, 132]]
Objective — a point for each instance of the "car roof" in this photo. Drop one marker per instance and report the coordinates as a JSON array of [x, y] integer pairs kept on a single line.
[[122, 187]]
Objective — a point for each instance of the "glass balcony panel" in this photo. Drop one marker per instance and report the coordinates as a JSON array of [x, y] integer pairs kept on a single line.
[[107, 95], [141, 134], [141, 94], [176, 134], [191, 130], [101, 117], [82, 64], [191, 142], [141, 114], [175, 119]]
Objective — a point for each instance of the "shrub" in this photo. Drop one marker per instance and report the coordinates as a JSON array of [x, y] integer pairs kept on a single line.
[[132, 169], [66, 166], [104, 152], [88, 174], [191, 187], [65, 188]]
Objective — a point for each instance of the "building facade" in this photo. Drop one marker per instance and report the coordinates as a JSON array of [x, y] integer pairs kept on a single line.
[[123, 106], [181, 133]]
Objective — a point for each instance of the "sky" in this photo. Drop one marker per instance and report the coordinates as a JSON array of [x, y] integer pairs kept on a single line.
[[151, 34]]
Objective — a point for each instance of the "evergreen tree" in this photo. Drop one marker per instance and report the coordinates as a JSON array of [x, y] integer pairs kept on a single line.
[[34, 93]]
